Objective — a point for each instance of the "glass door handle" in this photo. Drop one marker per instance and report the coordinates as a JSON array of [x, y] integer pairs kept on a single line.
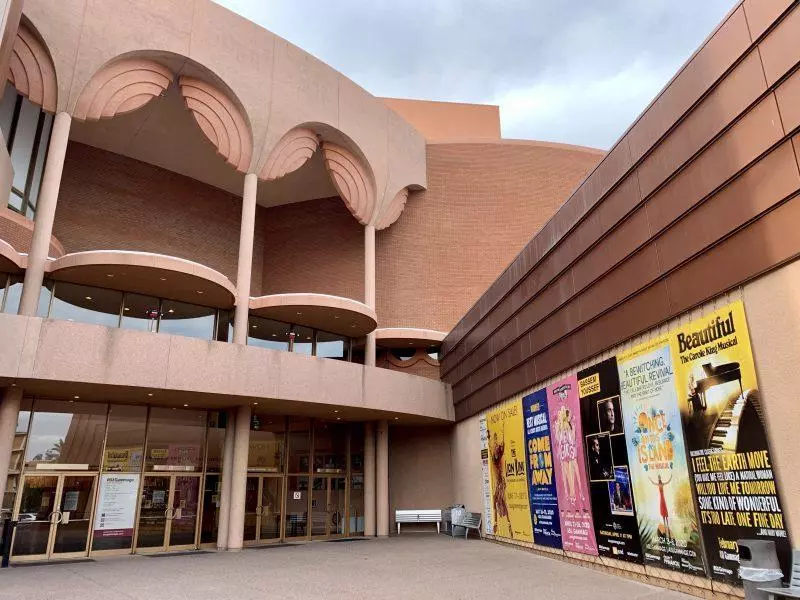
[[56, 516], [168, 514], [64, 518], [176, 513]]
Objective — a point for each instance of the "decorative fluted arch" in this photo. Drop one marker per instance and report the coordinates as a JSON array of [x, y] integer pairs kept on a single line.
[[352, 180], [291, 153], [220, 120], [121, 87], [392, 212], [31, 70]]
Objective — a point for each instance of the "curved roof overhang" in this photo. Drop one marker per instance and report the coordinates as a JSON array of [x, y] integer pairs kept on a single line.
[[403, 337], [11, 261], [146, 273], [338, 315]]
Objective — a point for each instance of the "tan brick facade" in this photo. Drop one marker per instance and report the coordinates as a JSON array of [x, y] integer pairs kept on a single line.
[[483, 203]]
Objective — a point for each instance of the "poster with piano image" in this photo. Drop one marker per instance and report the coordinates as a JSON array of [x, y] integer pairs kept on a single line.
[[613, 507], [729, 456], [665, 508], [541, 475]]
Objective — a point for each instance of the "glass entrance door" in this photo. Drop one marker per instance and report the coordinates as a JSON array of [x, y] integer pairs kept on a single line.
[[262, 509], [55, 515], [168, 513], [328, 507]]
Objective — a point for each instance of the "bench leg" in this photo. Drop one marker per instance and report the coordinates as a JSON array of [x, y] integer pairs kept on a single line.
[[398, 528], [438, 528]]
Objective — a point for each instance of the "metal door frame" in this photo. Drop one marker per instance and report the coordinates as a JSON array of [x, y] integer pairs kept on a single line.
[[170, 516], [53, 518]]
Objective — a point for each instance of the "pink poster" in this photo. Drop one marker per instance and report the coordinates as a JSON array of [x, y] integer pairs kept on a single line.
[[574, 500]]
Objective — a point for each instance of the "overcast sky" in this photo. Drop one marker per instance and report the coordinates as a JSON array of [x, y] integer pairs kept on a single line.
[[575, 71]]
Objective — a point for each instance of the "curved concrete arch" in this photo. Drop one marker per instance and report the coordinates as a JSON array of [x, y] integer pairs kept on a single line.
[[220, 120], [146, 273], [352, 179], [392, 211], [292, 152], [121, 86], [31, 69], [402, 337]]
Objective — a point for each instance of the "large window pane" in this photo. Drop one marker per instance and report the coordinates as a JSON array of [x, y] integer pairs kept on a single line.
[[266, 333], [266, 444], [24, 138], [330, 447], [140, 312], [84, 304], [16, 459], [7, 109], [299, 445], [357, 448], [190, 320], [224, 326], [45, 293], [41, 152], [13, 293], [66, 433], [330, 345], [175, 440], [303, 339], [215, 437], [125, 441], [296, 506]]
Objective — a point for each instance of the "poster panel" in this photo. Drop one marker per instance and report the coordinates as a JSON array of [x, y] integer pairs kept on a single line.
[[572, 488], [541, 477], [613, 509], [488, 526], [720, 406], [116, 506], [665, 509], [511, 513]]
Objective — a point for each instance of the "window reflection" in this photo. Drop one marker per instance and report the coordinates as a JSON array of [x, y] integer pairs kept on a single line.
[[303, 340], [330, 447], [140, 312], [299, 445], [85, 304], [266, 333], [66, 433], [125, 441], [266, 444], [175, 440], [434, 352], [330, 345], [189, 320]]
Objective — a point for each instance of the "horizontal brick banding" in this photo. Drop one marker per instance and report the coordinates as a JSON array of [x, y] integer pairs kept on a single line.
[[608, 265]]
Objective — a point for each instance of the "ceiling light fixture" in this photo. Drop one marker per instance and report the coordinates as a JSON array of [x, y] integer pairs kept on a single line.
[[335, 410], [163, 278], [150, 395], [185, 405], [109, 274], [126, 308], [77, 397], [199, 291], [171, 310], [88, 297]]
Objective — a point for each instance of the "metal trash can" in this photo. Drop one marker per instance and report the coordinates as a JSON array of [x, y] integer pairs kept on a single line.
[[759, 568], [447, 517]]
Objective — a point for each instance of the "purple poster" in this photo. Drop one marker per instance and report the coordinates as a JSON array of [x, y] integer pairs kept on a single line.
[[574, 502]]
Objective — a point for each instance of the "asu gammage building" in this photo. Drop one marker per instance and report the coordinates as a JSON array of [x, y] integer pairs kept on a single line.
[[228, 274]]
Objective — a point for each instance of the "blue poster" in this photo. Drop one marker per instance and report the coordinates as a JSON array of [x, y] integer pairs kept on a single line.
[[541, 476]]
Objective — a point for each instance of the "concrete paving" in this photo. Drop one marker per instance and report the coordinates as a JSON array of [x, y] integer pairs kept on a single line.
[[409, 566]]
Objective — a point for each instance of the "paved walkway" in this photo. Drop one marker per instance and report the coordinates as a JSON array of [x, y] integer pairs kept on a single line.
[[410, 566]]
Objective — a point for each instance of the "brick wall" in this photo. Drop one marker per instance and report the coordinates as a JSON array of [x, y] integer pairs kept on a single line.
[[315, 246], [483, 203], [110, 202]]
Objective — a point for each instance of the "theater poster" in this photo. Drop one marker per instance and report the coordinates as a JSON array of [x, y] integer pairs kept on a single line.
[[613, 508], [659, 471], [511, 512], [541, 476], [729, 454], [574, 505], [485, 486]]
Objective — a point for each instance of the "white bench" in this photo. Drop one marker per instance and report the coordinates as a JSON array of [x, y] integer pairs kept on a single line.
[[793, 591], [418, 516]]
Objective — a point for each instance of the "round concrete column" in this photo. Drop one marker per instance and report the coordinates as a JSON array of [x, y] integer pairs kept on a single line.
[[9, 412], [45, 215], [382, 478], [241, 447], [369, 479], [369, 289], [227, 476], [245, 268]]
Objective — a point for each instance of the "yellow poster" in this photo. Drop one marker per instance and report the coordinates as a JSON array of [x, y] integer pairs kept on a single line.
[[729, 455], [511, 511]]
